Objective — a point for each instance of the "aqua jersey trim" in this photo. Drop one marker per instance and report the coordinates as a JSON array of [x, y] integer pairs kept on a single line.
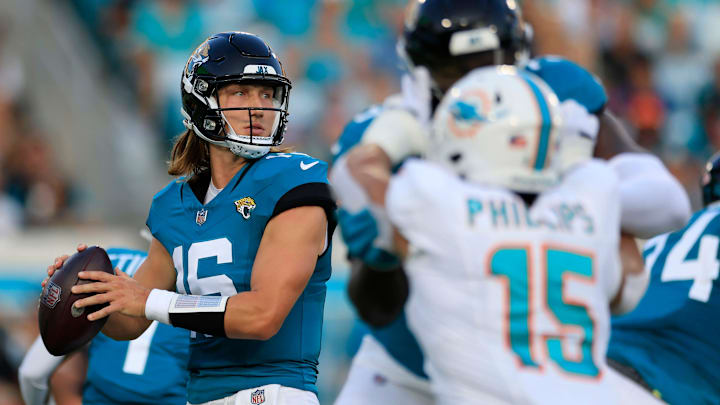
[[545, 127]]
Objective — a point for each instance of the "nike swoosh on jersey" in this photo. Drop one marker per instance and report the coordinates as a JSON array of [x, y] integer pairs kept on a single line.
[[306, 166]]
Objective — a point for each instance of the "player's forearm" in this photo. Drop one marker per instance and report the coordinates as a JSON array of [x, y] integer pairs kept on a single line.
[[634, 279], [397, 134], [613, 139], [123, 327], [250, 315], [34, 373], [370, 166], [246, 315]]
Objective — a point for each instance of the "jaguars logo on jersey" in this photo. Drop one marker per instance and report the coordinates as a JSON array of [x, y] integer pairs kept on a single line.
[[245, 206]]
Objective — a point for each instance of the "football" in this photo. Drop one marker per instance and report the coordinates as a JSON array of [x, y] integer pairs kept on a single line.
[[62, 327]]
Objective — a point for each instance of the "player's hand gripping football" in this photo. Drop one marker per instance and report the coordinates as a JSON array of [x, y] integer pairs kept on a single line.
[[121, 292], [58, 262]]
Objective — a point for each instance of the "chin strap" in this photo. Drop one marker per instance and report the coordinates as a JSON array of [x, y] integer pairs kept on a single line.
[[243, 150], [249, 151]]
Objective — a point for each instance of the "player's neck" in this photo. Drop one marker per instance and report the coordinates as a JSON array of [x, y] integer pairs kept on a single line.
[[223, 166]]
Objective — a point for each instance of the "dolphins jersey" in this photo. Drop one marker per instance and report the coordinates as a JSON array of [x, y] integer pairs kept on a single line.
[[213, 247], [671, 338], [151, 369], [568, 81], [511, 304]]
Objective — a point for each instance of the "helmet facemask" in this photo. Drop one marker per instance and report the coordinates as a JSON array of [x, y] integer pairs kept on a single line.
[[217, 129]]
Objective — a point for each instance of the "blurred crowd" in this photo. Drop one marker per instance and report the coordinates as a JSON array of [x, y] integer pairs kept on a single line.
[[658, 59], [339, 55], [33, 190], [660, 63]]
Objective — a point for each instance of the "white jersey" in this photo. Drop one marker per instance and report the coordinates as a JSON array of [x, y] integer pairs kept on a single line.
[[511, 305]]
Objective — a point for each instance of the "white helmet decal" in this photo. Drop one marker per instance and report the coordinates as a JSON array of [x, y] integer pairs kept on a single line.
[[499, 126]]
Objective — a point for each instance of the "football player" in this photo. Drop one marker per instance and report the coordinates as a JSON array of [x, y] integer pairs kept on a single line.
[[668, 344], [240, 253], [148, 370], [442, 41], [512, 261]]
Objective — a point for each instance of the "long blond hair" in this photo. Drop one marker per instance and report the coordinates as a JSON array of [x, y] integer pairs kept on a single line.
[[191, 155]]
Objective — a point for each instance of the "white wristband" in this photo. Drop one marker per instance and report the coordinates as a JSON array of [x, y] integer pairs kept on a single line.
[[157, 306]]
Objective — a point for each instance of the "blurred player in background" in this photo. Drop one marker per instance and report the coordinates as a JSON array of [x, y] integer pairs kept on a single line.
[[151, 369], [512, 261], [244, 238], [442, 41], [669, 344], [389, 363]]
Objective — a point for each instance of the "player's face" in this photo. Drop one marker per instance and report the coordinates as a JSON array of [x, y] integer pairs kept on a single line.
[[248, 95]]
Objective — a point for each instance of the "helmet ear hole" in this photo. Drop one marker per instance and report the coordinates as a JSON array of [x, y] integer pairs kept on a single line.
[[201, 86], [209, 124]]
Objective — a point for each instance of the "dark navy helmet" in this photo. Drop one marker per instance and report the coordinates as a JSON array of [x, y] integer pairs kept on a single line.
[[452, 37], [225, 58], [711, 180]]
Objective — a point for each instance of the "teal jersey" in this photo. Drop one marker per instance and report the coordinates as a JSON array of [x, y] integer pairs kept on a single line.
[[570, 81], [396, 337], [671, 338], [151, 369], [353, 132], [213, 247]]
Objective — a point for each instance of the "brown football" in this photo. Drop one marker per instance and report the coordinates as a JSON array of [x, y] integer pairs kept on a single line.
[[62, 327]]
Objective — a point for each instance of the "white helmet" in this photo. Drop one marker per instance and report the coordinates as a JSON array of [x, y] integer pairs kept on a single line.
[[499, 126]]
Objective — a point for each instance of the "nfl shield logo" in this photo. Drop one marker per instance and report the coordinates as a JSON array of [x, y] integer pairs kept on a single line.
[[257, 397], [51, 295], [201, 217]]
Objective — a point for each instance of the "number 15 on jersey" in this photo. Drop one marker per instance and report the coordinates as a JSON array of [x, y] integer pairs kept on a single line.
[[512, 265]]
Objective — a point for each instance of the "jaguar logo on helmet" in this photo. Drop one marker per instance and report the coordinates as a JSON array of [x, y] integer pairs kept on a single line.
[[198, 57]]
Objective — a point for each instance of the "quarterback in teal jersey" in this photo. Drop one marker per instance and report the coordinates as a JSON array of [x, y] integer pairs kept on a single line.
[[669, 343], [241, 242], [148, 370]]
